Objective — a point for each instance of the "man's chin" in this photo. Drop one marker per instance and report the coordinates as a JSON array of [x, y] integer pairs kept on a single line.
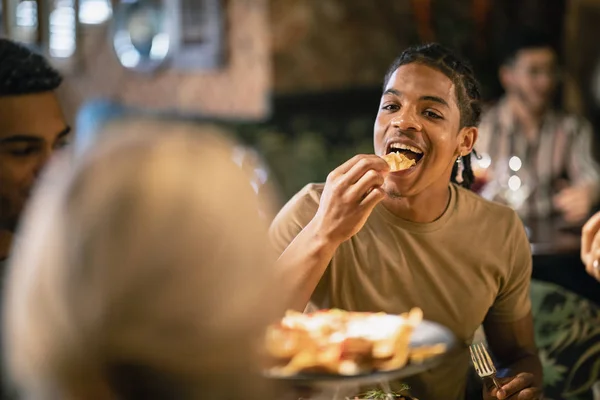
[[395, 191], [393, 194]]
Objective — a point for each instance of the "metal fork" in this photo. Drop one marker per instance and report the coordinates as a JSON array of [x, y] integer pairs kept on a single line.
[[483, 363]]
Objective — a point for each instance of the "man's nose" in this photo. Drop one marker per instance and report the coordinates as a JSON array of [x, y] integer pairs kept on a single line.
[[407, 120]]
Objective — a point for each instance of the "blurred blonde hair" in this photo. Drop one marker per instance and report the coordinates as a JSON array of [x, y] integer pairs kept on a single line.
[[144, 263]]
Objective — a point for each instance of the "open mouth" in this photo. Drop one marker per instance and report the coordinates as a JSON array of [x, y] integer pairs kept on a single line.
[[408, 151]]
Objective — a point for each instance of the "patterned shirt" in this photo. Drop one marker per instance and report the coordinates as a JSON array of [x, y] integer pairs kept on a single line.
[[526, 175]]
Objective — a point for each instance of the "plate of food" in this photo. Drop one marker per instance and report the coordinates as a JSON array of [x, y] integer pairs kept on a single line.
[[336, 346]]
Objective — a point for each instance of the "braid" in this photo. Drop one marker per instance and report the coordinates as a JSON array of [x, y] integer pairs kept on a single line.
[[468, 177], [468, 92]]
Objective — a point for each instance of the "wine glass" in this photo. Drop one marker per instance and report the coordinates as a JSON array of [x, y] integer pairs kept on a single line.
[[517, 184], [504, 181]]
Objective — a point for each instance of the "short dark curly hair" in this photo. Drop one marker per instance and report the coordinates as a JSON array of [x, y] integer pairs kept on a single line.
[[436, 56], [24, 72], [459, 71], [521, 39]]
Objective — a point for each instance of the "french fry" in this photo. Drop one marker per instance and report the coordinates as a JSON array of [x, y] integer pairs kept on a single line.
[[415, 316], [401, 350], [420, 354], [324, 360], [384, 349]]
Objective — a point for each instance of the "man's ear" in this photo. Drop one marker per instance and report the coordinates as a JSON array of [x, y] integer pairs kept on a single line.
[[466, 140]]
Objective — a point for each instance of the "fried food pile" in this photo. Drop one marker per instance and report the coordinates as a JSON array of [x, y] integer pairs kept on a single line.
[[344, 343]]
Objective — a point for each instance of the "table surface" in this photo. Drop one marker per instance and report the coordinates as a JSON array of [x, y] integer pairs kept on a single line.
[[551, 236], [555, 248]]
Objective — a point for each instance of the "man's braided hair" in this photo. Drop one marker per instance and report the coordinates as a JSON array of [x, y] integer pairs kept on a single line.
[[24, 72], [468, 92]]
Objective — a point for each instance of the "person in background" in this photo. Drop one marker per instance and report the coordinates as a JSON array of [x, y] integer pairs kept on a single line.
[[142, 271], [371, 240], [32, 128], [537, 158]]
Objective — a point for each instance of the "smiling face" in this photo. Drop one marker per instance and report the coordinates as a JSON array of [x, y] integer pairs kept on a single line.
[[532, 77], [32, 127], [420, 117]]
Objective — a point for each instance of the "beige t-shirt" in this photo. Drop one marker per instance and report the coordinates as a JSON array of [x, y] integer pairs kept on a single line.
[[473, 262]]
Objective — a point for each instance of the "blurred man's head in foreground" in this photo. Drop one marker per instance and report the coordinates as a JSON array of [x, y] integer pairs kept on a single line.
[[32, 125], [145, 272]]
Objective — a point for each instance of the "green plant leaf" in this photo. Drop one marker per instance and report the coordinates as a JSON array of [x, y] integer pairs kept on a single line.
[[379, 394], [592, 353], [553, 372]]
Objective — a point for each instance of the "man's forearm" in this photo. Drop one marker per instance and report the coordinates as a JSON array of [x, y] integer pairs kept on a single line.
[[303, 263]]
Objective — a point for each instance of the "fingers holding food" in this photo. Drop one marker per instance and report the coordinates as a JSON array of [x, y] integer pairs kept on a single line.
[[350, 193]]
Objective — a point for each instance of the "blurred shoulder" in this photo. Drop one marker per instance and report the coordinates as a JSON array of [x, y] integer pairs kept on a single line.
[[295, 215]]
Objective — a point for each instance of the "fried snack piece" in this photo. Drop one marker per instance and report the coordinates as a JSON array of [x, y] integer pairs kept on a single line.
[[285, 343], [357, 347], [398, 161], [401, 351], [315, 359], [386, 348], [420, 354]]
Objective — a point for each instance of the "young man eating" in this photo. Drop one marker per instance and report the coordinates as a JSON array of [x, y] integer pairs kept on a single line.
[[374, 240]]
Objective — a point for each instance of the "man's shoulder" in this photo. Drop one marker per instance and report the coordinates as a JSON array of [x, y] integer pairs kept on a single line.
[[573, 123], [307, 198], [310, 193], [302, 206], [472, 205], [295, 215]]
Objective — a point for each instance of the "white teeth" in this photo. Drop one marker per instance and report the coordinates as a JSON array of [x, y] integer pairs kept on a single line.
[[402, 146]]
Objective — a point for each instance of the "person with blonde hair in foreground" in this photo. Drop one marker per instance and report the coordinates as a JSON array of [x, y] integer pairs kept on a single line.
[[141, 271]]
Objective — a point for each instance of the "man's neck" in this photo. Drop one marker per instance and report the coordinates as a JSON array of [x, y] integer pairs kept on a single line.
[[5, 243], [422, 208]]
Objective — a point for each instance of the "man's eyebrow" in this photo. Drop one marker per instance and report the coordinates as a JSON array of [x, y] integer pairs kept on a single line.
[[25, 138], [64, 132], [21, 138], [392, 91], [435, 99]]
